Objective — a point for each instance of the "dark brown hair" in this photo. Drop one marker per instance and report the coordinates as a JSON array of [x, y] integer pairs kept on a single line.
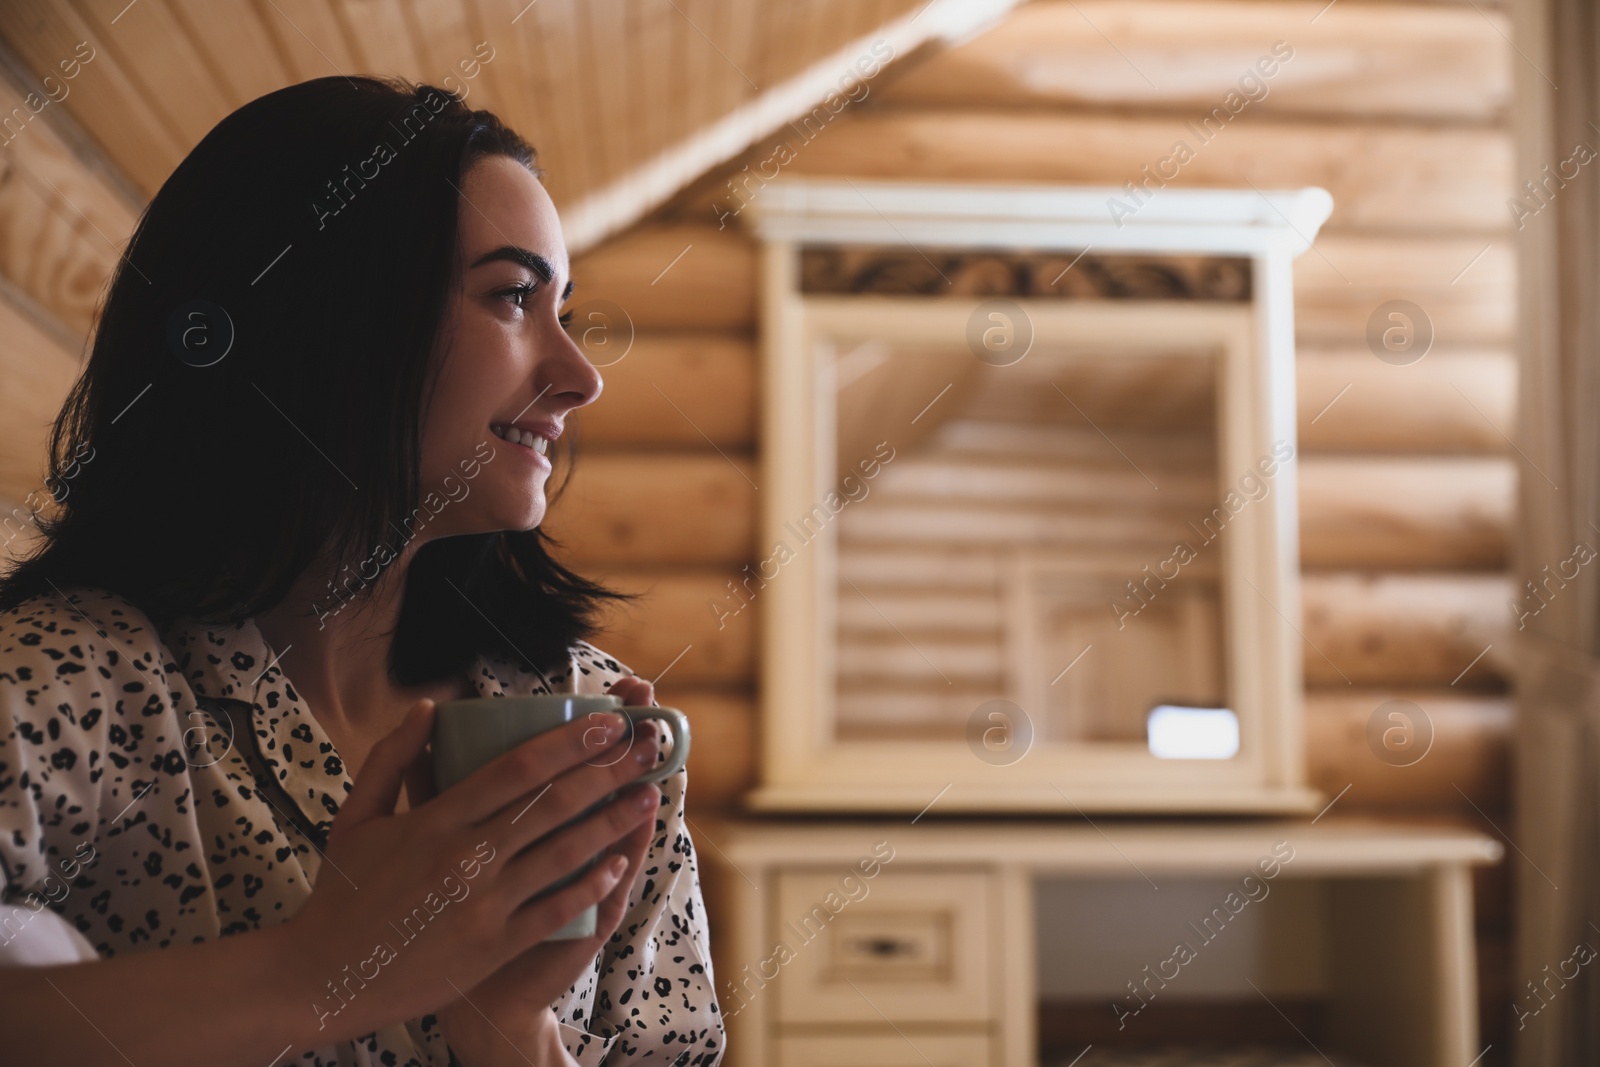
[[254, 391]]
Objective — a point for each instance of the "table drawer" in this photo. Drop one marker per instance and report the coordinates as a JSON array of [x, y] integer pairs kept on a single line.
[[911, 945], [910, 1049]]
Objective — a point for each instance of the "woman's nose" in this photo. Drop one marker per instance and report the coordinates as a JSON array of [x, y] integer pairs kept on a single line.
[[571, 377]]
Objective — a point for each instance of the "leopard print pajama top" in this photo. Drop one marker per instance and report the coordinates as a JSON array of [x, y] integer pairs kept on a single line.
[[129, 808]]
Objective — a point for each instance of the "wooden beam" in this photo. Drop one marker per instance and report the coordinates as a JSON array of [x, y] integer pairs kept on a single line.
[[673, 628], [1444, 630], [1397, 178], [1430, 513], [1351, 401], [1466, 286], [722, 724], [625, 199], [1398, 61], [674, 390], [1463, 284], [673, 278], [1471, 738], [1468, 760], [1406, 514], [642, 509]]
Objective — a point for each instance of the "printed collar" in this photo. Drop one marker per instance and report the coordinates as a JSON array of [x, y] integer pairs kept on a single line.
[[235, 662]]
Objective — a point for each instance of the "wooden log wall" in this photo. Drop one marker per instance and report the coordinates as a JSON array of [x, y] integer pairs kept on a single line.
[[62, 226], [1407, 474]]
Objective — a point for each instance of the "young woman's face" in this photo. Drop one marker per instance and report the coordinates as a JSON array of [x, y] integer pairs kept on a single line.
[[510, 370]]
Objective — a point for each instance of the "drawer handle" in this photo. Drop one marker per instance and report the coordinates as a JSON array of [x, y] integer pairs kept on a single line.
[[888, 946]]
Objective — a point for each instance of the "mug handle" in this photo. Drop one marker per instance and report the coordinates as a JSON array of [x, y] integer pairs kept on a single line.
[[678, 724]]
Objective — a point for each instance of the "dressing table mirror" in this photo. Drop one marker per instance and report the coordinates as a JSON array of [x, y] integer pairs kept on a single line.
[[1028, 496]]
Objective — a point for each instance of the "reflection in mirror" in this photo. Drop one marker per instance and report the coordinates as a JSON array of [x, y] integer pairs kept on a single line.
[[1022, 541]]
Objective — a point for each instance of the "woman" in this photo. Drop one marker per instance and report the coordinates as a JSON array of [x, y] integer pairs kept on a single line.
[[300, 486]]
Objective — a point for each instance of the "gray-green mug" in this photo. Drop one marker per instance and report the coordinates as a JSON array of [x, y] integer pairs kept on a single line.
[[467, 734]]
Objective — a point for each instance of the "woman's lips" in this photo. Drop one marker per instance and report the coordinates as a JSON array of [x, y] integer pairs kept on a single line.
[[526, 443]]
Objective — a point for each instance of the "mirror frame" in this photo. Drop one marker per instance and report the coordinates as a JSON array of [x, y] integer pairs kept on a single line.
[[804, 767]]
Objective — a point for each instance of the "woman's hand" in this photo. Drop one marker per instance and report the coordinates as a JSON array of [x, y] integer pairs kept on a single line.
[[411, 911], [507, 1018]]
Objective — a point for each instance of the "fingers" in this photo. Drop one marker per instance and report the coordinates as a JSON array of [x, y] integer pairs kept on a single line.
[[570, 795], [633, 691], [376, 790], [534, 921], [420, 785], [520, 774], [625, 819], [570, 848], [635, 845]]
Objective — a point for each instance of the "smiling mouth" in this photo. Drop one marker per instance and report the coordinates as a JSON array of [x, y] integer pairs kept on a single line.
[[539, 444]]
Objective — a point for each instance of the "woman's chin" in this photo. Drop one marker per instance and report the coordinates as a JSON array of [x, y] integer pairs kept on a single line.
[[509, 516], [528, 518]]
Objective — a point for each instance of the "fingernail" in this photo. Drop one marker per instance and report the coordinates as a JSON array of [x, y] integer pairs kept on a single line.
[[645, 753], [616, 865], [647, 799], [614, 724]]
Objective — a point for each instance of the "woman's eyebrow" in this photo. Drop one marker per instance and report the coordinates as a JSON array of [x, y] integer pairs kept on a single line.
[[526, 258]]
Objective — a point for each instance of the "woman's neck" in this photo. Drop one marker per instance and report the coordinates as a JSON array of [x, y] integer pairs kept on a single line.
[[339, 660]]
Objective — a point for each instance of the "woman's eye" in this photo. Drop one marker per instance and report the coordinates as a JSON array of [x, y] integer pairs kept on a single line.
[[565, 319], [517, 294]]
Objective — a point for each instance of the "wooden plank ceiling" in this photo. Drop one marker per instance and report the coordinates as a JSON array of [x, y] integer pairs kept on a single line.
[[600, 86], [603, 88]]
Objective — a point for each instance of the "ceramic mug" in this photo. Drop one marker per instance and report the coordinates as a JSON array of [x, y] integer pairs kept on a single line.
[[470, 733]]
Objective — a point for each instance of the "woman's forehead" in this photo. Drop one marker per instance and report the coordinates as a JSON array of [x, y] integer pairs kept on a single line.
[[503, 204]]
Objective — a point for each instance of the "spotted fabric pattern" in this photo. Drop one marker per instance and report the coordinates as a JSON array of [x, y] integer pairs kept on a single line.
[[128, 805]]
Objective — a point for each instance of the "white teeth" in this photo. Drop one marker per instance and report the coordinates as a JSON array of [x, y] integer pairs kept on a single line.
[[539, 444]]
